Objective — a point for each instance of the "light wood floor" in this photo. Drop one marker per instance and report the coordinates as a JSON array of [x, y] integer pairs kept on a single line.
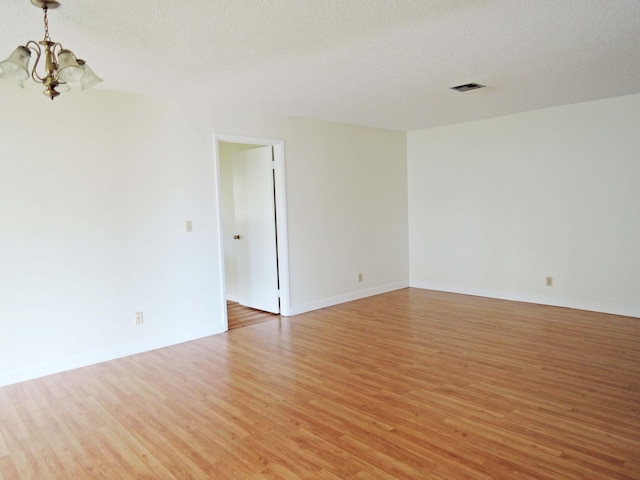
[[239, 316], [407, 385]]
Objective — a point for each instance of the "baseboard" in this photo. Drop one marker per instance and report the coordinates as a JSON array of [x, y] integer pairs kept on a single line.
[[575, 303], [78, 361], [349, 297]]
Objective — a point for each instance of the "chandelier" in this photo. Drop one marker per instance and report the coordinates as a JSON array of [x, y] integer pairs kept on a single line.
[[61, 66]]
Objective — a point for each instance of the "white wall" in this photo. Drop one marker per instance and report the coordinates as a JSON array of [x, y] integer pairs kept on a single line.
[[497, 205], [347, 201], [94, 193], [95, 188]]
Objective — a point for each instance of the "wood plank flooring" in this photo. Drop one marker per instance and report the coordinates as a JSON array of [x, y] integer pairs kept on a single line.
[[412, 384], [239, 316]]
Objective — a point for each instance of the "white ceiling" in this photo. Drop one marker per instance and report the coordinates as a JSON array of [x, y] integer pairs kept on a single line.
[[381, 63]]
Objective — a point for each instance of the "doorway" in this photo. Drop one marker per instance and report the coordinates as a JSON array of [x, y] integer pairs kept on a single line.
[[228, 147]]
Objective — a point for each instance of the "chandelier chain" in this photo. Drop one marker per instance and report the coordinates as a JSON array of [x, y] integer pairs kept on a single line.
[[47, 38]]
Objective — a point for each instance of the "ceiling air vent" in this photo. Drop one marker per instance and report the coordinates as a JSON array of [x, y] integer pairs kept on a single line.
[[467, 86]]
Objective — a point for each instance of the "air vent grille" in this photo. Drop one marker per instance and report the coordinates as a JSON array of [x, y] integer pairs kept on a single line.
[[467, 86]]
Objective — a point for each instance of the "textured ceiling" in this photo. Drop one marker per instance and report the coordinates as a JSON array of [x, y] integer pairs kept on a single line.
[[382, 63]]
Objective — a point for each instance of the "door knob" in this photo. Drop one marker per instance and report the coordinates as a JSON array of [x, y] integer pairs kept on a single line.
[[236, 237]]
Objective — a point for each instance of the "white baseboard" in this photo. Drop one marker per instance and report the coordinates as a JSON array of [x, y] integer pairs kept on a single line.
[[575, 303], [349, 297]]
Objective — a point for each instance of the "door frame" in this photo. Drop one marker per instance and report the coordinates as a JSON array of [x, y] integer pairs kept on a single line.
[[281, 217]]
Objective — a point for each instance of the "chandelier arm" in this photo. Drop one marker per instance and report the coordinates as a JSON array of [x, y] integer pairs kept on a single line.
[[56, 49], [35, 48]]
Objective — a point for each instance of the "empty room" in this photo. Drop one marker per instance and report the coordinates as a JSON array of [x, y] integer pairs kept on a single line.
[[301, 239]]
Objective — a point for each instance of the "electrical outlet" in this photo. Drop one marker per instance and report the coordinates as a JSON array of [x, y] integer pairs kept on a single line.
[[359, 277], [139, 319], [549, 281], [188, 226]]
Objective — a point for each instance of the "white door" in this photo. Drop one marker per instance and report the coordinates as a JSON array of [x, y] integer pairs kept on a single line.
[[256, 245]]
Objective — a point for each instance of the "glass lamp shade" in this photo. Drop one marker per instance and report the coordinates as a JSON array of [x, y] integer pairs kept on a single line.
[[68, 68], [90, 78], [16, 67]]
